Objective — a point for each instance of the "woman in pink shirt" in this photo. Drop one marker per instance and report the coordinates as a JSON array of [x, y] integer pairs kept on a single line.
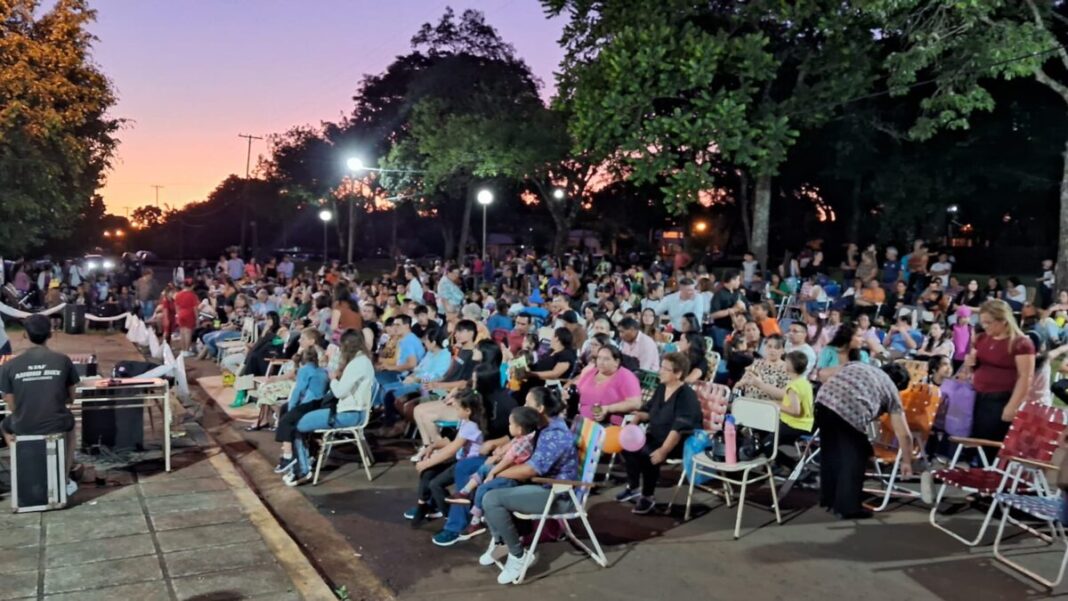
[[610, 383]]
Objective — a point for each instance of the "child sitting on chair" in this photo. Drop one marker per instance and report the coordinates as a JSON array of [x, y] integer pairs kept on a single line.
[[523, 423], [434, 472]]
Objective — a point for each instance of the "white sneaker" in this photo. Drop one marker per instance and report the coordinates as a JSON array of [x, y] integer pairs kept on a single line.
[[418, 455], [515, 568], [188, 354], [72, 487], [488, 558]]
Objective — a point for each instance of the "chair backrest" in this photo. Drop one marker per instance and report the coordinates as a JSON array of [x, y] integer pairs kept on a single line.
[[920, 403], [1034, 433], [713, 359], [917, 369], [375, 387], [757, 415], [590, 441], [249, 331], [715, 400], [649, 380]]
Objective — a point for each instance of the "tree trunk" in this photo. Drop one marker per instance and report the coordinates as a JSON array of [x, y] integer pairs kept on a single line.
[[465, 231], [761, 219], [337, 229], [743, 206], [393, 232], [352, 229], [854, 223], [1062, 234], [448, 236]]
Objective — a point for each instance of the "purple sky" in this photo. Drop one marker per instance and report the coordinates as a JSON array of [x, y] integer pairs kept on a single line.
[[192, 75]]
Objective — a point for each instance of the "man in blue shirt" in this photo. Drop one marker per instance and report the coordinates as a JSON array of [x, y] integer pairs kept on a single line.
[[410, 352], [556, 457], [903, 338], [235, 267]]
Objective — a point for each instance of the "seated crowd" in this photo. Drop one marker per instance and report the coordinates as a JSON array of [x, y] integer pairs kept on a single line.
[[490, 365]]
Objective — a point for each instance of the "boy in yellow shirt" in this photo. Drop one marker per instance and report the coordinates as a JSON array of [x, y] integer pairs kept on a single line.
[[797, 412]]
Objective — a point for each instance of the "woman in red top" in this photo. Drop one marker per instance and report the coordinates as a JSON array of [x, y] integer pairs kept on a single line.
[[185, 304], [1003, 361], [167, 311]]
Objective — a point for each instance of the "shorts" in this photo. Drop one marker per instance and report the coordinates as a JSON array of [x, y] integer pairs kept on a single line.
[[187, 322]]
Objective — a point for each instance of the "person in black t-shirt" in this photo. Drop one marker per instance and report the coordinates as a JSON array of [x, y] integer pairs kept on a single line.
[[38, 388], [727, 301]]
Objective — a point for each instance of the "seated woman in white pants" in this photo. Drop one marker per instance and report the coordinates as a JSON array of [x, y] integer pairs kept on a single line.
[[353, 393]]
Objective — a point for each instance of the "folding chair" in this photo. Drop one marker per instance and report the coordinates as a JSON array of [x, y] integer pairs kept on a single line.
[[920, 404], [354, 435], [648, 380], [917, 369], [249, 334], [1033, 437], [713, 359], [715, 401], [1044, 508], [590, 438], [808, 449], [756, 415]]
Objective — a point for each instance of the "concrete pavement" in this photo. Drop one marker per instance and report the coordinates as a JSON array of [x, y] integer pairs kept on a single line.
[[136, 532]]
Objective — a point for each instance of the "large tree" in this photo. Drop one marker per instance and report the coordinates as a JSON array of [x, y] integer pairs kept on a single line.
[[443, 146], [956, 48], [56, 140], [675, 89]]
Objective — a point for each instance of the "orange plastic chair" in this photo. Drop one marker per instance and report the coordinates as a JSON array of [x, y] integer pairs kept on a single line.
[[920, 404]]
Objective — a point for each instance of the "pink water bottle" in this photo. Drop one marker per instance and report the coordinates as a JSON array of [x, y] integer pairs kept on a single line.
[[730, 439]]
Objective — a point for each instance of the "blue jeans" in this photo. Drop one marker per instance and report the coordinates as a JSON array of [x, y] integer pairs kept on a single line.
[[148, 307], [318, 420], [212, 339], [384, 378], [460, 515], [494, 484], [392, 392]]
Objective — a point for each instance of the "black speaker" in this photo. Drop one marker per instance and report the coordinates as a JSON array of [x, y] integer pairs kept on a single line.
[[74, 319], [121, 429]]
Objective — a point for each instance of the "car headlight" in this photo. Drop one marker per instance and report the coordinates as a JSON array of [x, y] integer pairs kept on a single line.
[[109, 264], [93, 265]]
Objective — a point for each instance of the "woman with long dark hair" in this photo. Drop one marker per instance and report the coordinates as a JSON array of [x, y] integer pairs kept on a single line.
[[843, 348]]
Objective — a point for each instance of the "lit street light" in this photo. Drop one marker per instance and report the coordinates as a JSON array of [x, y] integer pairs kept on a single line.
[[559, 194], [325, 216], [354, 164], [700, 227], [485, 198]]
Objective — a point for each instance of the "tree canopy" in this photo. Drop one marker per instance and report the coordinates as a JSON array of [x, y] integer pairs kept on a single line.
[[56, 139]]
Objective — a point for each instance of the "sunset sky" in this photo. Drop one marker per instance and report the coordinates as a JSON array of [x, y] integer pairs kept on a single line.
[[193, 74]]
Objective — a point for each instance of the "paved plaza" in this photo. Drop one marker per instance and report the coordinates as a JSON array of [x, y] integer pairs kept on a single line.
[[134, 531]]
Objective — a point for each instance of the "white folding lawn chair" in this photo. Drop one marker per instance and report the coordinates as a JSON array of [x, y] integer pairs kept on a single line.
[[249, 334], [352, 435], [756, 415], [590, 440], [1046, 508]]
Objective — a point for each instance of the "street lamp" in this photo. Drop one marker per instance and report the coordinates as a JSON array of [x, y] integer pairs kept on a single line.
[[356, 164], [951, 220], [559, 194], [325, 216], [485, 198]]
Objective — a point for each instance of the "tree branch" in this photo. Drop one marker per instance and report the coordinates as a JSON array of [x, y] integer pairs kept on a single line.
[[1061, 52]]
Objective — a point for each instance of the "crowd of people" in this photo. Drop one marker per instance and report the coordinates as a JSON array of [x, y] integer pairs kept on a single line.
[[490, 363]]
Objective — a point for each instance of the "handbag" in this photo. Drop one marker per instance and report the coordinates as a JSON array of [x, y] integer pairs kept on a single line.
[[958, 406]]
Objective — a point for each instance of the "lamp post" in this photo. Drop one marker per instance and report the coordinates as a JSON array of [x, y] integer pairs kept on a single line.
[[951, 218], [325, 216], [485, 198]]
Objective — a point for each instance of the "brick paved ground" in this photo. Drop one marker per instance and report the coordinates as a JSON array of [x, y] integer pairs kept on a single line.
[[137, 532]]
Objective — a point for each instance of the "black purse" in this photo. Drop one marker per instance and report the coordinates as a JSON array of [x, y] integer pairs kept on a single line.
[[329, 401]]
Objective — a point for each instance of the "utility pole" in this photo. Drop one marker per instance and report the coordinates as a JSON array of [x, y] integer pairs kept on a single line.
[[157, 187], [244, 189]]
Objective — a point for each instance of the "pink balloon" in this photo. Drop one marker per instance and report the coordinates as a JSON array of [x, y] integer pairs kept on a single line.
[[632, 438]]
